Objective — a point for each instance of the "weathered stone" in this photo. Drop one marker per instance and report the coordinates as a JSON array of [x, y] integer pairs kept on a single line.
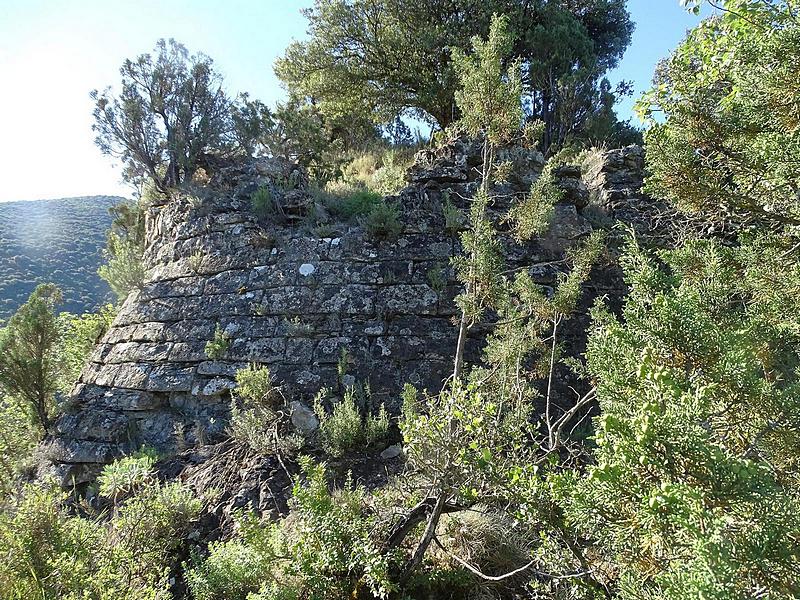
[[407, 299], [262, 350], [170, 378], [392, 451], [303, 418]]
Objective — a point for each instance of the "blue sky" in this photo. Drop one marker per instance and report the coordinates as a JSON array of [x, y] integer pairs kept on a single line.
[[53, 52]]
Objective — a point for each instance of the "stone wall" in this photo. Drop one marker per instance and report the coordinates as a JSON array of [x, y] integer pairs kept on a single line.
[[286, 299]]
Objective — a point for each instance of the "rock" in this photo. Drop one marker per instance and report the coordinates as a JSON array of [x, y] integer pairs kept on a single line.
[[392, 451], [568, 178], [303, 418]]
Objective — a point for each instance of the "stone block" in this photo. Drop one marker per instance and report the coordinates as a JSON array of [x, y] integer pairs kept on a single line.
[[131, 375], [407, 299], [259, 350], [170, 378]]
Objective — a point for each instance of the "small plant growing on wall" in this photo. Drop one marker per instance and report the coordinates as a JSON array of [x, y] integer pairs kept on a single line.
[[196, 261], [437, 278], [455, 220], [262, 202], [218, 345], [383, 222]]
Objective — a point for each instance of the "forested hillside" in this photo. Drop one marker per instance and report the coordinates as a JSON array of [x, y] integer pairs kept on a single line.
[[58, 241]]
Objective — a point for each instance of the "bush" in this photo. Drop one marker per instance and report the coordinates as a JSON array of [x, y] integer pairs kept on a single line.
[[455, 221], [19, 437], [238, 567], [347, 202], [124, 269], [254, 409], [383, 222], [79, 336], [127, 476], [47, 553], [345, 429], [145, 534], [262, 202], [693, 492], [324, 550], [218, 345], [43, 552], [29, 361]]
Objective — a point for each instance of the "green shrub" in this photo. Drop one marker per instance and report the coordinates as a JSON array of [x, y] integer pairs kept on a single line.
[[52, 555], [437, 278], [455, 221], [693, 490], [127, 476], [29, 362], [45, 553], [238, 567], [79, 336], [254, 409], [324, 549], [383, 222], [262, 202], [357, 203], [345, 429], [124, 269], [218, 345], [390, 178], [146, 533], [18, 439]]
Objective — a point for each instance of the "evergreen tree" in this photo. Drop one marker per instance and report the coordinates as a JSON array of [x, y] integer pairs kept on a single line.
[[29, 364]]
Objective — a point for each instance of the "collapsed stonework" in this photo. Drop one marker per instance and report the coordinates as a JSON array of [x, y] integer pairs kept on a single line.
[[298, 303]]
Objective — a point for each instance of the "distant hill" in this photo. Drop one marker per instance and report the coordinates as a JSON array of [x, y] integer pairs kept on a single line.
[[58, 241]]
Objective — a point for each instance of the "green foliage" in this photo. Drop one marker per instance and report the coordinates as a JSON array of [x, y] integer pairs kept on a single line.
[[347, 202], [531, 217], [124, 270], [463, 441], [528, 317], [345, 429], [489, 94], [726, 139], [262, 202], [255, 409], [383, 58], [437, 278], [170, 113], [48, 553], [236, 568], [29, 363], [383, 221], [79, 336], [480, 266], [694, 493], [324, 550], [390, 177], [127, 476], [18, 437], [455, 221], [217, 346], [381, 170], [297, 131]]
